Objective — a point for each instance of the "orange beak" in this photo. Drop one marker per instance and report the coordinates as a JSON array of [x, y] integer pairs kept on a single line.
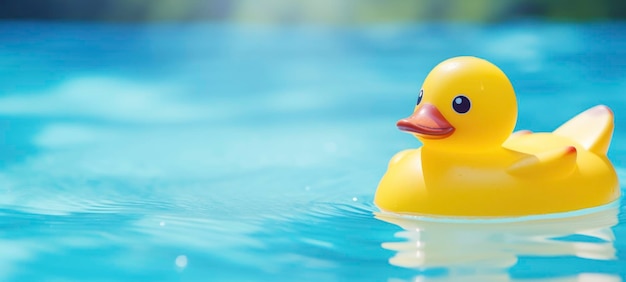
[[427, 122]]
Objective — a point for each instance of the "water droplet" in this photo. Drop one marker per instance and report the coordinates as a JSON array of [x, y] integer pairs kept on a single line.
[[354, 199], [181, 261]]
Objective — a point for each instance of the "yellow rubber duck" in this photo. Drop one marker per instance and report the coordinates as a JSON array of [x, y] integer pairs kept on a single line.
[[471, 165]]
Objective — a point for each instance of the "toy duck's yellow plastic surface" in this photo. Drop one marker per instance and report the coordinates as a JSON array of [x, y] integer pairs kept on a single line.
[[471, 165]]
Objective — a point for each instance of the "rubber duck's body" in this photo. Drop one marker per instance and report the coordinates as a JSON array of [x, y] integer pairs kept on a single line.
[[471, 165]]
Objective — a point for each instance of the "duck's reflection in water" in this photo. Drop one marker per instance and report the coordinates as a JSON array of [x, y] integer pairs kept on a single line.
[[484, 250]]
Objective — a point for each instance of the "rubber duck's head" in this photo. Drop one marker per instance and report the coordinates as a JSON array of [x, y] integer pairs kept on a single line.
[[466, 104]]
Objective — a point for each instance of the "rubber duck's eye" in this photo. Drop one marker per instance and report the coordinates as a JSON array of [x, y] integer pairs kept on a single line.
[[419, 97], [461, 104]]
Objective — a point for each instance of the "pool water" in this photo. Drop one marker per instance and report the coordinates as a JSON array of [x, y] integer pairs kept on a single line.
[[214, 152]]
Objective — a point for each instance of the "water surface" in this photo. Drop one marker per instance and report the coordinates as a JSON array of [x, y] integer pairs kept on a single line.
[[218, 152]]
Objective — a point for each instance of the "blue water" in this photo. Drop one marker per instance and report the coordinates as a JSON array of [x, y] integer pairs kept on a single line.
[[212, 152]]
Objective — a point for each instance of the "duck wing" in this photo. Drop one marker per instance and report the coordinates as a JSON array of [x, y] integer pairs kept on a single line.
[[519, 133], [592, 129], [553, 163]]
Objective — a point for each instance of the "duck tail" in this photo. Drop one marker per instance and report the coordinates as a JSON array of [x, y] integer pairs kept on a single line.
[[592, 129]]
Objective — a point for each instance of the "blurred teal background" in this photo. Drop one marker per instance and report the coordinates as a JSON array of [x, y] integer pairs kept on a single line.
[[323, 11]]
